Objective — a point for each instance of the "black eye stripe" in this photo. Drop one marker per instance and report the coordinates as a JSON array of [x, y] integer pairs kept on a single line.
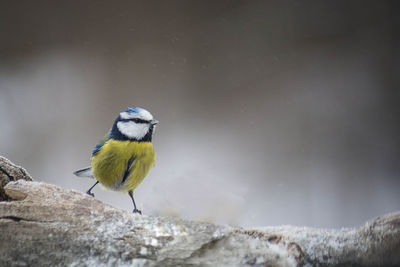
[[135, 120]]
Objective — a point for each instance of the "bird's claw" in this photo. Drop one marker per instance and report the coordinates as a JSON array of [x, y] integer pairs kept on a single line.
[[137, 211], [90, 193]]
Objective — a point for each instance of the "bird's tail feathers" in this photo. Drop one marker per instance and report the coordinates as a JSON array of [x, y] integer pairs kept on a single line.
[[85, 172]]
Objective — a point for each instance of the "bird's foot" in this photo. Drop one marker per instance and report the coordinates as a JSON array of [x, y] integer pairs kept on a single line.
[[137, 211], [90, 193]]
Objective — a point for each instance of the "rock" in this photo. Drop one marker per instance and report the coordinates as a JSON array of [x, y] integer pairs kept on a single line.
[[52, 226], [10, 172], [44, 225]]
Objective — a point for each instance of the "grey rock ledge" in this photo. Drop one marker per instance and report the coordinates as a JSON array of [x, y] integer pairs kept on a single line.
[[44, 225]]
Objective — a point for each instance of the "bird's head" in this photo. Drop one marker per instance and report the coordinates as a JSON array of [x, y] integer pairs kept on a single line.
[[134, 124]]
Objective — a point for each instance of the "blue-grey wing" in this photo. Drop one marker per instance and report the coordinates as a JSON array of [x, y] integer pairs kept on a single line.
[[87, 172], [101, 143]]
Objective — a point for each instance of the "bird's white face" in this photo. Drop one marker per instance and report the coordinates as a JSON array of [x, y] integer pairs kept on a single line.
[[133, 130], [135, 125]]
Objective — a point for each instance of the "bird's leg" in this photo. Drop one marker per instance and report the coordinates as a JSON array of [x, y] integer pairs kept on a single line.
[[135, 210], [90, 189]]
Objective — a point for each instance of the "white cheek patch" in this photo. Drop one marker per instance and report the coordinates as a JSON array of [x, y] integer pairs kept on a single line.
[[133, 130]]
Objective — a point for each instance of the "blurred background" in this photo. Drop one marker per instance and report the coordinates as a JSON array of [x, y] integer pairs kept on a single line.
[[271, 112]]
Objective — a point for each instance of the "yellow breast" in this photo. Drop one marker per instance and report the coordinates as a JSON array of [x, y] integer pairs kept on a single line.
[[109, 165]]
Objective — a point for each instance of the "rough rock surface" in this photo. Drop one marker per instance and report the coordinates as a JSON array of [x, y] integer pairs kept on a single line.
[[10, 172], [44, 225]]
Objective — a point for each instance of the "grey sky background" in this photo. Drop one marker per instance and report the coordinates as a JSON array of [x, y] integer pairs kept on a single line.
[[271, 112]]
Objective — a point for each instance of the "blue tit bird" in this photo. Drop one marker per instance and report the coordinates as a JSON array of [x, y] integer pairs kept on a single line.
[[125, 155]]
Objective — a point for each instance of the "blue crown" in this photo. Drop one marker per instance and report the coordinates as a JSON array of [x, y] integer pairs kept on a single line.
[[133, 110]]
